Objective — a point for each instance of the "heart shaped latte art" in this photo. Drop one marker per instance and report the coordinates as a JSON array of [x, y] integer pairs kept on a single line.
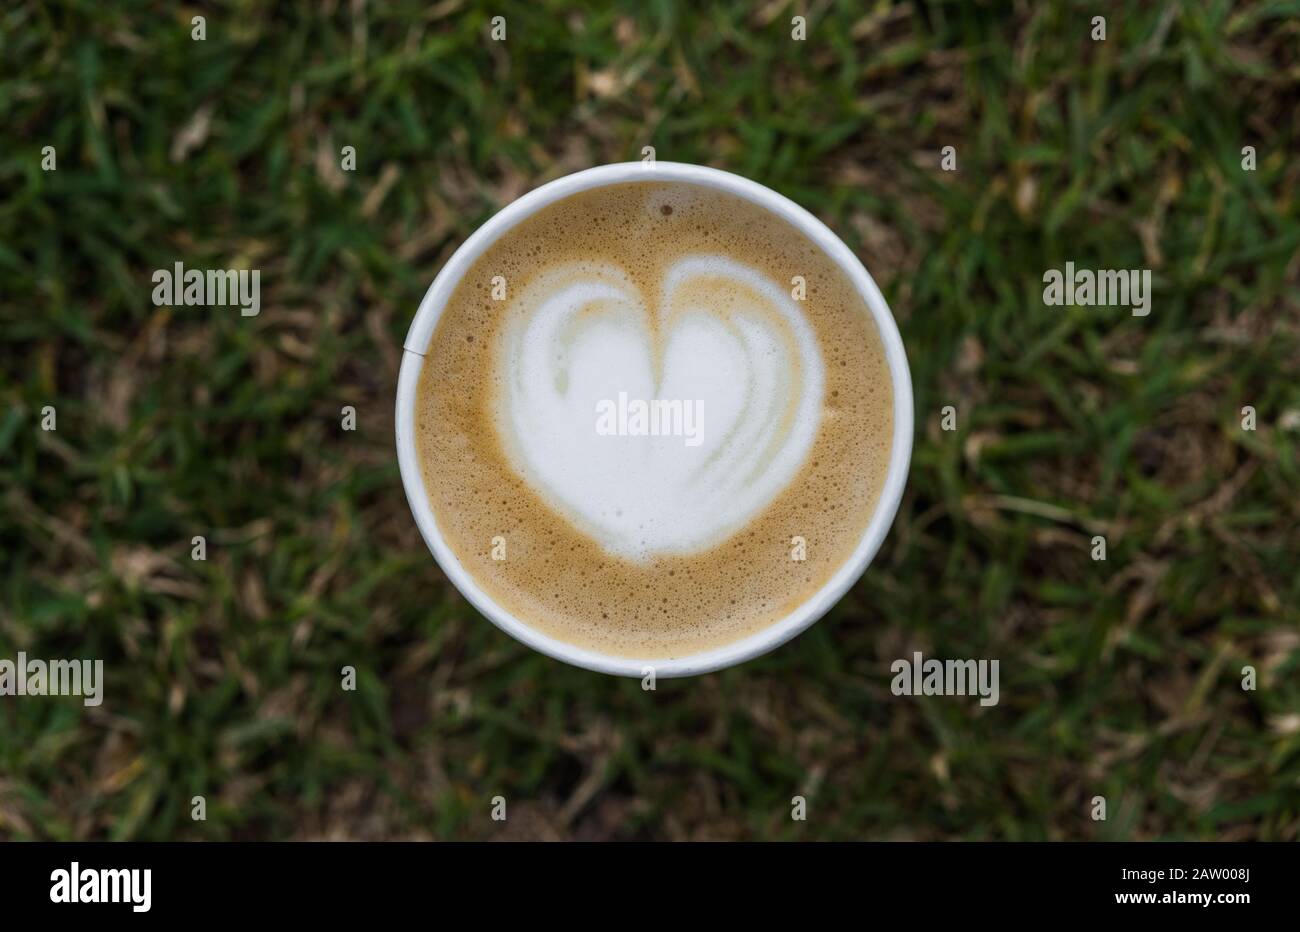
[[727, 354]]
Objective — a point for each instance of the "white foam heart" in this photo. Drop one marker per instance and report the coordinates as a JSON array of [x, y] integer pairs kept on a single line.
[[724, 335]]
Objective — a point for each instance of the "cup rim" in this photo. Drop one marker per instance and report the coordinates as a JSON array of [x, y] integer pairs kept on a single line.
[[760, 642]]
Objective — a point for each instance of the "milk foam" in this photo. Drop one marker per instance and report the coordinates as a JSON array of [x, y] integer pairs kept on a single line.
[[518, 473], [720, 333]]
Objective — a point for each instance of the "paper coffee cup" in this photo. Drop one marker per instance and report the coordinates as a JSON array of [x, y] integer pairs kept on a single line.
[[421, 332]]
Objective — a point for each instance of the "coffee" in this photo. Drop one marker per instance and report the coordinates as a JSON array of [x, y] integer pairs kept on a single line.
[[653, 418]]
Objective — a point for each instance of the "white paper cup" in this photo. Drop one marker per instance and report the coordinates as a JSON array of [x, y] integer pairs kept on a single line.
[[417, 341]]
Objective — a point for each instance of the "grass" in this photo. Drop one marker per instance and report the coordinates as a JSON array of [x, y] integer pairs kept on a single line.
[[1119, 678]]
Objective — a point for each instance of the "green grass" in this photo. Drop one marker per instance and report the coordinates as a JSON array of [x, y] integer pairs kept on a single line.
[[1119, 679]]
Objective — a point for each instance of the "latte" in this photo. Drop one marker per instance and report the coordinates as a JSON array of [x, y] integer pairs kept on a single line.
[[653, 418]]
